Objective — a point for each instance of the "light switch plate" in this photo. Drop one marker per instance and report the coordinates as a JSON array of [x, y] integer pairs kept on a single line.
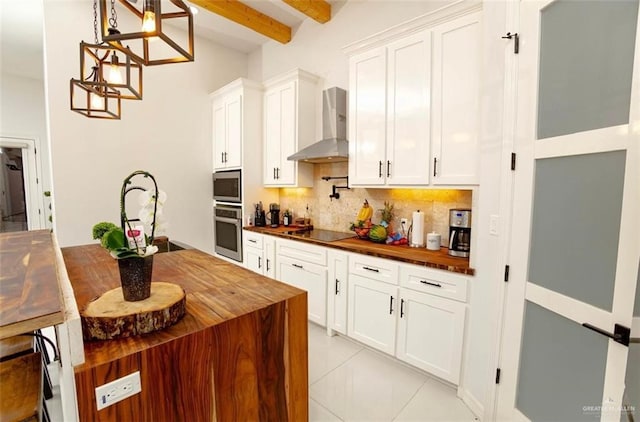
[[117, 390]]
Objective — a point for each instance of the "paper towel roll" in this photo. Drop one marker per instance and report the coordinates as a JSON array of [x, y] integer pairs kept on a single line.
[[417, 232]]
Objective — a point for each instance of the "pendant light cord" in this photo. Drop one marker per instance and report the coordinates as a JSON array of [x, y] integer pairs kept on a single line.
[[113, 20]]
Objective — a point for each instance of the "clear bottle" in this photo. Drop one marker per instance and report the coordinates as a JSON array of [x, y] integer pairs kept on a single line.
[[286, 218]]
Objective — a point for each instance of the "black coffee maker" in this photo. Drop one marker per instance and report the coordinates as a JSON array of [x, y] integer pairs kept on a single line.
[[259, 218], [459, 232], [274, 215]]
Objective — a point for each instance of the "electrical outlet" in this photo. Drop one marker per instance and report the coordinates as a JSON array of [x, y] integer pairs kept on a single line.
[[404, 222], [117, 390]]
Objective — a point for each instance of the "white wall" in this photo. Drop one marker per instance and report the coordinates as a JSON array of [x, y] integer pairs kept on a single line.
[[318, 49], [167, 133], [22, 114]]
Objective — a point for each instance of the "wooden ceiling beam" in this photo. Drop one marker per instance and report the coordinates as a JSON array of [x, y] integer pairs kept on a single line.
[[318, 10], [249, 17]]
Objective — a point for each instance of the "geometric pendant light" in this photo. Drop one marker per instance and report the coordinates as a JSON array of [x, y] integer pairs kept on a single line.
[[106, 76], [100, 103], [154, 36], [115, 69]]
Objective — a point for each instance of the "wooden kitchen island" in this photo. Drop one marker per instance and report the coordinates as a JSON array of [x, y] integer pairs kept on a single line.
[[239, 353]]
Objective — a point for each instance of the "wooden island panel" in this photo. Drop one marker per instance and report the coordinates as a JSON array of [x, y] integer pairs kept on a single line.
[[239, 353], [29, 292]]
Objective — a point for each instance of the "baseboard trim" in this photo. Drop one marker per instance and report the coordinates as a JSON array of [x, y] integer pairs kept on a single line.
[[472, 402]]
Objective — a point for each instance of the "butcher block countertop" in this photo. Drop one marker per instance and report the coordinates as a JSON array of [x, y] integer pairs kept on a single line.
[[30, 296], [239, 353], [419, 256]]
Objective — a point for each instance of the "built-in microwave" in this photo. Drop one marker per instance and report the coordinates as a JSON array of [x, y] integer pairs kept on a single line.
[[227, 186]]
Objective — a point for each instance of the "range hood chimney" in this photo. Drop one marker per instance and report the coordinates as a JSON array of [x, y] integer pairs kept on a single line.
[[334, 146]]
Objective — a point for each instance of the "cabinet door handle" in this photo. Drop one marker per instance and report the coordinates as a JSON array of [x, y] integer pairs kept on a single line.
[[274, 173], [277, 172], [226, 157], [297, 265], [267, 265], [380, 169], [390, 305], [388, 168], [222, 157], [375, 270], [430, 284], [259, 262], [401, 308], [435, 166], [252, 240], [337, 286]]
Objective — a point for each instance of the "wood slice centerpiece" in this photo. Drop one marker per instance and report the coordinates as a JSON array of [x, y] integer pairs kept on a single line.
[[109, 316]]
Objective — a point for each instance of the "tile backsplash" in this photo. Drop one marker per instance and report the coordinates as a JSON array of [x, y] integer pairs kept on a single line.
[[337, 214]]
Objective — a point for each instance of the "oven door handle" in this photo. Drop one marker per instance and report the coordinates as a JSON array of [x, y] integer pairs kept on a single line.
[[228, 220]]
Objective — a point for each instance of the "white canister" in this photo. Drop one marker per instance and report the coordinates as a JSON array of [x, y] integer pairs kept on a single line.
[[433, 241]]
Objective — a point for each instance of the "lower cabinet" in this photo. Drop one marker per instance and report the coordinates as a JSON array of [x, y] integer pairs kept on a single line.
[[372, 320], [425, 330], [337, 290], [430, 333], [414, 313], [309, 277]]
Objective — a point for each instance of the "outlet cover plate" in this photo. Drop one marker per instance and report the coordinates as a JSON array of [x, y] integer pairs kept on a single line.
[[117, 390]]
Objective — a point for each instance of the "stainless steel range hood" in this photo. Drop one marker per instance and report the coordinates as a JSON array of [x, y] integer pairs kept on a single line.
[[334, 146]]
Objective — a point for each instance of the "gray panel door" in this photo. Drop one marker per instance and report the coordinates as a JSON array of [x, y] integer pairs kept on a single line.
[[576, 208]]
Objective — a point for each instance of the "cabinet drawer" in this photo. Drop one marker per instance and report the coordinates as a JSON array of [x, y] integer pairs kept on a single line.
[[253, 239], [435, 282], [302, 251], [375, 268]]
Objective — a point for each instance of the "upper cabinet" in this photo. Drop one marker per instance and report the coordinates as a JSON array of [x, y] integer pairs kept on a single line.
[[456, 101], [235, 107], [413, 108], [388, 132], [289, 125]]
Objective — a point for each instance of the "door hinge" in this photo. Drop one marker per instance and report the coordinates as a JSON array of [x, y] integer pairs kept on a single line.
[[498, 376], [516, 41], [513, 161], [506, 273]]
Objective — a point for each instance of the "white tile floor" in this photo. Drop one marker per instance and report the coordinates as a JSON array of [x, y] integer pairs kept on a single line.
[[348, 382]]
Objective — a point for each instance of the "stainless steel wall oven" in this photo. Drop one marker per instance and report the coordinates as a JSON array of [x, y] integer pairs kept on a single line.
[[228, 231]]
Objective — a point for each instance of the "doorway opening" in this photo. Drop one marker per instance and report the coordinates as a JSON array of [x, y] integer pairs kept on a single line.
[[13, 200]]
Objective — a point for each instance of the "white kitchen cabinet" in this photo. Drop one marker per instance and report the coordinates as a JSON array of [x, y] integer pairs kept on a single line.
[[414, 105], [227, 130], [235, 107], [371, 313], [456, 101], [430, 333], [337, 290], [309, 277], [413, 312], [367, 117], [389, 113], [269, 250], [289, 125], [305, 266], [252, 251]]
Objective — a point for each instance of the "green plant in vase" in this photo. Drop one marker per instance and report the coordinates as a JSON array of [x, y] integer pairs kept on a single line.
[[132, 243]]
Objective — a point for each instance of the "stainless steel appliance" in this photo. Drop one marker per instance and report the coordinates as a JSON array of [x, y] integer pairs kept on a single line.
[[227, 186], [459, 232], [228, 231], [334, 146]]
